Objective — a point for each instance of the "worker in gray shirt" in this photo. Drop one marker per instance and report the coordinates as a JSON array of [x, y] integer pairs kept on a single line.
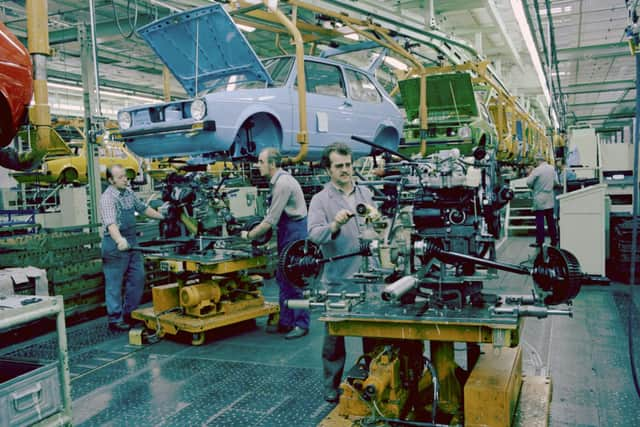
[[542, 180], [288, 212], [335, 227]]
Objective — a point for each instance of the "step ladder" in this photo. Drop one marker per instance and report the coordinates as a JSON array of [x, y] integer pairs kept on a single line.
[[520, 218]]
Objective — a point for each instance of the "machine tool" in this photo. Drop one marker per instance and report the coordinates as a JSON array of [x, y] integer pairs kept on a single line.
[[429, 249], [201, 248]]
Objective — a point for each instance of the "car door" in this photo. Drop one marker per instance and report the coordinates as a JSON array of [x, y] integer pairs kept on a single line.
[[329, 115], [367, 104]]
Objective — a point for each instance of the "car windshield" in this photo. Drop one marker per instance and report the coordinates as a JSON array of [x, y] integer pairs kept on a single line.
[[278, 68]]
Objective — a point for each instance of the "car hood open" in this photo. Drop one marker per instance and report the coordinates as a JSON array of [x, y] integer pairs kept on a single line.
[[208, 38], [449, 96]]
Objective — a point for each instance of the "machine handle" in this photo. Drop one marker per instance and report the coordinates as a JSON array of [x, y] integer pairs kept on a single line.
[[27, 398]]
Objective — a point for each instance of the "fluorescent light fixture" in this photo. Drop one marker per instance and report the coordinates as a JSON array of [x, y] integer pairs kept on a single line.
[[392, 62], [246, 28], [557, 10], [561, 73], [518, 11], [107, 93], [166, 6]]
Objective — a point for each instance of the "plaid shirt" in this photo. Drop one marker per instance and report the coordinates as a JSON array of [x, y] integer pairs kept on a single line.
[[114, 202]]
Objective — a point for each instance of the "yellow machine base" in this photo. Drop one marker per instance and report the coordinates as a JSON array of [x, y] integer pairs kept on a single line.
[[172, 323], [532, 411]]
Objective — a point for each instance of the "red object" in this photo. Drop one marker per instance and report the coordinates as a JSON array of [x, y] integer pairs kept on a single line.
[[16, 84]]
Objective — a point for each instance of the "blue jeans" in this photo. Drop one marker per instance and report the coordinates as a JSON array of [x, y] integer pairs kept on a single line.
[[289, 231], [551, 225], [121, 268]]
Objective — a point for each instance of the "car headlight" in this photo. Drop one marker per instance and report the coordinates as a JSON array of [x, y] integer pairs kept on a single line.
[[464, 132], [124, 119], [198, 109]]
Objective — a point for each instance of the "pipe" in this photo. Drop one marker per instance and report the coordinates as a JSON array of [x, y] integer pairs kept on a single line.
[[303, 134], [400, 287], [38, 41], [635, 218], [436, 388]]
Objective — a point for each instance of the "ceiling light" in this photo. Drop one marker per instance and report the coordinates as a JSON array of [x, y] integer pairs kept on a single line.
[[246, 28], [107, 93], [392, 62], [556, 10], [352, 36], [518, 11]]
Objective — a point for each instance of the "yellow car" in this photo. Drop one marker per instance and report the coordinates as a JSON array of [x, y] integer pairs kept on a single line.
[[159, 169], [71, 166]]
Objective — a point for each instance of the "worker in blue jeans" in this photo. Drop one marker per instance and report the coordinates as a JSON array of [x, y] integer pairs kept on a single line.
[[288, 212], [121, 265], [542, 180]]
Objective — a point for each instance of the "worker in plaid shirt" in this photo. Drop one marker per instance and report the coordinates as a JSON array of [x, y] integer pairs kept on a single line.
[[120, 264]]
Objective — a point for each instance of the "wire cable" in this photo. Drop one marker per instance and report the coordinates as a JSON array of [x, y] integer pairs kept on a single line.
[[133, 25]]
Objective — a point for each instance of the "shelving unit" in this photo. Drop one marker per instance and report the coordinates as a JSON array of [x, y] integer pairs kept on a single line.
[[17, 310]]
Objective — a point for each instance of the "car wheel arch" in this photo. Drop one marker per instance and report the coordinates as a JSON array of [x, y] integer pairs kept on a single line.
[[257, 131], [68, 172], [6, 122]]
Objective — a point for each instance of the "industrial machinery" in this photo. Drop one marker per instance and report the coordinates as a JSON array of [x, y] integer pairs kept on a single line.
[[428, 250], [201, 247]]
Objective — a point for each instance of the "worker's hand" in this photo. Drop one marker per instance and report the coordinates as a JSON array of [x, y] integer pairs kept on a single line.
[[164, 210], [244, 235], [122, 244], [342, 217]]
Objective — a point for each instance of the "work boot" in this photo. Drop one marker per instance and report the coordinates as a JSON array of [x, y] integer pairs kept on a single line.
[[119, 326], [296, 332], [331, 396], [278, 329]]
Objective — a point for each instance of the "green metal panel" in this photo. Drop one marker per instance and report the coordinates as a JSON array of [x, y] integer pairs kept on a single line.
[[449, 96]]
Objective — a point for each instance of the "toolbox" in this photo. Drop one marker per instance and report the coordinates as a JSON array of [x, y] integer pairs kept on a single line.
[[29, 392]]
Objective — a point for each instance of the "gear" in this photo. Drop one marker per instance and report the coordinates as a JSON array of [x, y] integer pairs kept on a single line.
[[299, 262], [557, 271]]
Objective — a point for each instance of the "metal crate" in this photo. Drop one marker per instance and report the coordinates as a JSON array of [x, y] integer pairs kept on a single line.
[[29, 392]]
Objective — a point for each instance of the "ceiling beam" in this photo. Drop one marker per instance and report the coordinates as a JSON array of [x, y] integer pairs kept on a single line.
[[606, 116], [598, 51], [68, 35], [578, 92], [589, 104], [607, 83]]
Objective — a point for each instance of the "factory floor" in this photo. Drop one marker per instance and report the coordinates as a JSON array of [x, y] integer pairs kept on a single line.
[[245, 377]]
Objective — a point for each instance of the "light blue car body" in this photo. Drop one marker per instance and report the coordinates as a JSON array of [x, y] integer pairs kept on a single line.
[[246, 109]]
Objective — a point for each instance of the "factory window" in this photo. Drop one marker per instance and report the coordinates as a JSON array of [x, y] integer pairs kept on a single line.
[[361, 88], [324, 79]]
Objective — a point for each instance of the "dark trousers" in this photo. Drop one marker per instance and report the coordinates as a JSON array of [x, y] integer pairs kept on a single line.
[[334, 355], [551, 225], [123, 279], [290, 231]]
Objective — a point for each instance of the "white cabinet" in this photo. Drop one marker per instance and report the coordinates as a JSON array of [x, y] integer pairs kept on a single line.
[[584, 226]]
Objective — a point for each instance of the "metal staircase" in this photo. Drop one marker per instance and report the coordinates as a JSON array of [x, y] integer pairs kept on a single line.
[[520, 218]]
